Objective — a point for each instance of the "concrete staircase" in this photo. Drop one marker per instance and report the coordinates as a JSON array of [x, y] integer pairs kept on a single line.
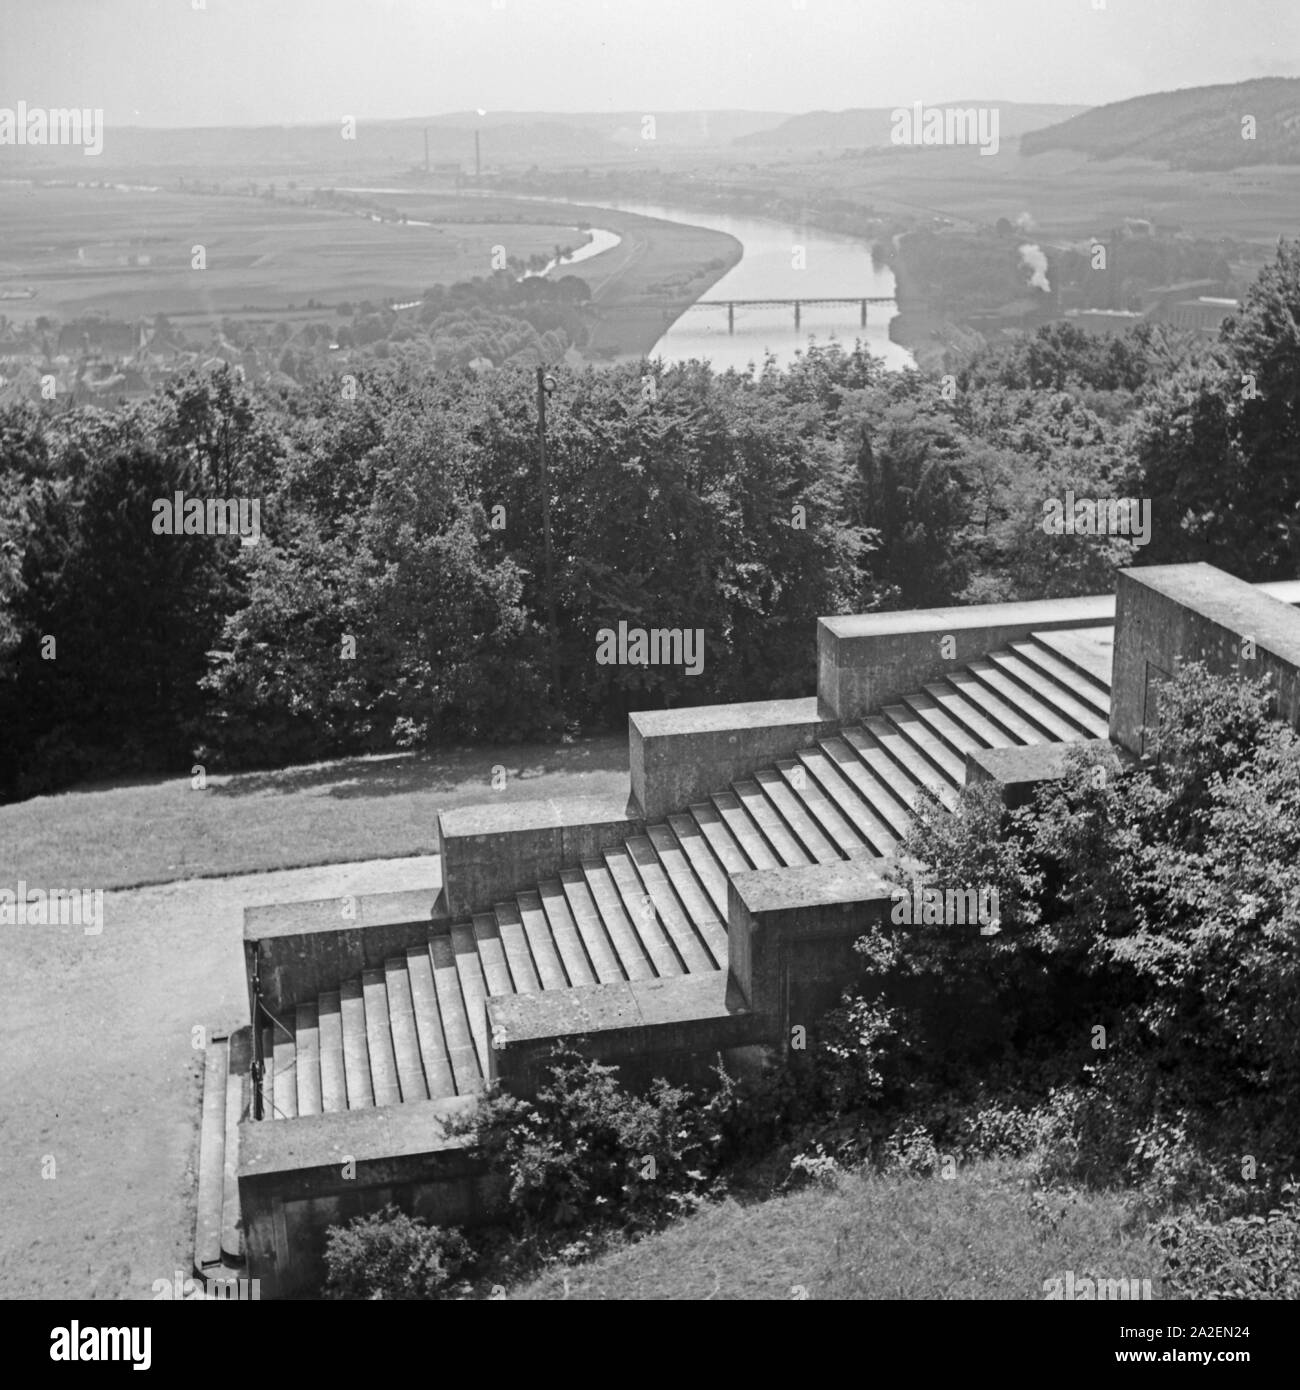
[[219, 1235], [657, 905]]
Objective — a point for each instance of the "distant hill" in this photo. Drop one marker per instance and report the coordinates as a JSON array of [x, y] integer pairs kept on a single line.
[[866, 126], [506, 138], [1195, 128]]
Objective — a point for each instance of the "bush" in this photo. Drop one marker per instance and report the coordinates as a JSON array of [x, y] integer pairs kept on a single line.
[[1246, 1257], [389, 1255], [589, 1153]]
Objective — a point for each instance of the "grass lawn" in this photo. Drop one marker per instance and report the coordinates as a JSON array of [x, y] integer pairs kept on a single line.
[[382, 807], [866, 1236]]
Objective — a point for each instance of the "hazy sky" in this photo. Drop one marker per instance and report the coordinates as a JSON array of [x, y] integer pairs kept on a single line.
[[217, 62]]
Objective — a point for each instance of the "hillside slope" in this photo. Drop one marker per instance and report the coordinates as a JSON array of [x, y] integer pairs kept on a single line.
[[868, 126], [1194, 128]]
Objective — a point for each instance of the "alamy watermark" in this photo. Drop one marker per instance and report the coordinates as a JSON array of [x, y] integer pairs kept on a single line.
[[657, 646], [947, 907], [1092, 516], [63, 125], [946, 125], [52, 907], [212, 516], [1069, 1288]]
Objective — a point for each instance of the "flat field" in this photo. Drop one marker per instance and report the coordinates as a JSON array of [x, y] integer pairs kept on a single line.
[[130, 253]]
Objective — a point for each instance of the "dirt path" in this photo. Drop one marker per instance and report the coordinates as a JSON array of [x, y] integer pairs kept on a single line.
[[97, 1073]]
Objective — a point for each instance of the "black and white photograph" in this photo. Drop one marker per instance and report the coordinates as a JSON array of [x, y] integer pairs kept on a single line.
[[649, 650]]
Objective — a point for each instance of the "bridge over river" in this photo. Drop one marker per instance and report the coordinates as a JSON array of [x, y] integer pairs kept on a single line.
[[731, 305]]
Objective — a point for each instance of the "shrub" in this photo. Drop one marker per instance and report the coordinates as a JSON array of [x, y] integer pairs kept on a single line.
[[1245, 1257], [589, 1152], [389, 1255]]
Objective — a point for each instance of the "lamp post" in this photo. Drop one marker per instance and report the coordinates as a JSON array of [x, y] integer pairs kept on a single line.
[[545, 385]]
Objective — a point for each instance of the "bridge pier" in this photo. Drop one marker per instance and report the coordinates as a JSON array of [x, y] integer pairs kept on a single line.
[[731, 317], [862, 321], [797, 307]]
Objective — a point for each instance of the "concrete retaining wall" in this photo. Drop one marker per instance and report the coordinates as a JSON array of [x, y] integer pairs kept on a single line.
[[299, 1177], [674, 1028], [490, 852], [300, 949], [869, 660], [678, 756], [1170, 614]]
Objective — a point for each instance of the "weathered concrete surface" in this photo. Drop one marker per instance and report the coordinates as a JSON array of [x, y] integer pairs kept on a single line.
[[1020, 770], [866, 661], [302, 948], [492, 851], [672, 1027], [1170, 614], [790, 935], [680, 755], [297, 1179]]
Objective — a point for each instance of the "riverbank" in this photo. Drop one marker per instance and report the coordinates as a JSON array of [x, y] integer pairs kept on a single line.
[[647, 282]]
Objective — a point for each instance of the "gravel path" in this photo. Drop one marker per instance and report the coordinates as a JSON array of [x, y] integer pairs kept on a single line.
[[99, 1082]]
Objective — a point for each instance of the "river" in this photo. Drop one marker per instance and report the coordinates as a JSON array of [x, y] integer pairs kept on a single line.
[[831, 265]]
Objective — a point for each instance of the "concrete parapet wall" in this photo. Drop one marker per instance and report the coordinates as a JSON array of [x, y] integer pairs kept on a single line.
[[299, 1177], [673, 1028], [678, 756], [791, 934], [492, 851], [1019, 770], [1170, 614], [300, 949], [867, 661]]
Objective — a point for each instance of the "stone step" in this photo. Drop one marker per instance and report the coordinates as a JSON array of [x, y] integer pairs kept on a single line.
[[703, 861], [1051, 723], [955, 736], [379, 1039], [1069, 703], [306, 1037], [850, 801], [745, 833], [696, 904], [474, 991], [775, 832], [356, 1051], [333, 1078], [1065, 676], [676, 921], [461, 1052], [514, 941], [1008, 715], [285, 1081], [849, 842], [619, 927], [428, 1023], [950, 765], [537, 929], [401, 1020], [1088, 650], [720, 839], [591, 929], [564, 932], [876, 796], [969, 715], [492, 955], [797, 816], [639, 908], [212, 1151], [896, 778]]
